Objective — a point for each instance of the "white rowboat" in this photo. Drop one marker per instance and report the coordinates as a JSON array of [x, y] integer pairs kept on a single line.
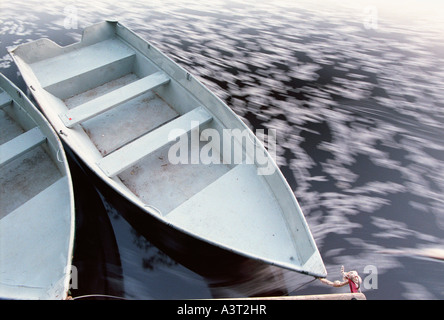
[[36, 203], [121, 105]]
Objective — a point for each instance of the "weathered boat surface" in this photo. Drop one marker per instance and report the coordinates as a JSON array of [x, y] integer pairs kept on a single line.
[[120, 104], [36, 203]]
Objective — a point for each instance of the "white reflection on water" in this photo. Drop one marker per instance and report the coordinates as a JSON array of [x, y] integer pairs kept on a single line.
[[359, 112]]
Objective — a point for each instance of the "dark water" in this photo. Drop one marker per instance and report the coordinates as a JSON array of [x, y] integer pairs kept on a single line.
[[355, 91]]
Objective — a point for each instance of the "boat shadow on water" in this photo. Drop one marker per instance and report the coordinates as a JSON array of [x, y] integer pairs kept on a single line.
[[96, 259]]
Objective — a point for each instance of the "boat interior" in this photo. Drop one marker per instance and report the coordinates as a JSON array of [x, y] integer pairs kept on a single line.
[[128, 113], [28, 165], [128, 104]]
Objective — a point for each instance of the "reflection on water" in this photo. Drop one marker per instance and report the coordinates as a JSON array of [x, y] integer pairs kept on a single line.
[[355, 92]]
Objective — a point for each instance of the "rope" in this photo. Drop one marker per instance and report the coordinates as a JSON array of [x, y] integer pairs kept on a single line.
[[351, 278]]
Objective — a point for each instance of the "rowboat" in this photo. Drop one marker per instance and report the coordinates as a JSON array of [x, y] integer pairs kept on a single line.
[[36, 203], [161, 140]]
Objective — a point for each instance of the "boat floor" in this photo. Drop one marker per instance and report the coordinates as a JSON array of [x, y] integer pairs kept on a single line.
[[25, 176], [238, 211], [32, 229], [165, 186]]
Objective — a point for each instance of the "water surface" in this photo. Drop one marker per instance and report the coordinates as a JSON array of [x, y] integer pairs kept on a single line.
[[355, 90]]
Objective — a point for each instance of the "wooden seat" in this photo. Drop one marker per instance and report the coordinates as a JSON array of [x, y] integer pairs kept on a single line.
[[125, 157], [112, 99], [20, 145]]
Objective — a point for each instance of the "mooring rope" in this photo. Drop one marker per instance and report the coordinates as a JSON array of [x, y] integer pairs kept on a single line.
[[351, 278]]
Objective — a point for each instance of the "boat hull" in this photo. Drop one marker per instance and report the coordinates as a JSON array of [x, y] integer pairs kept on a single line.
[[119, 79], [37, 203]]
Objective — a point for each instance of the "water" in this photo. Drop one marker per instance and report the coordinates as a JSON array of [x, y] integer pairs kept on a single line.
[[355, 90]]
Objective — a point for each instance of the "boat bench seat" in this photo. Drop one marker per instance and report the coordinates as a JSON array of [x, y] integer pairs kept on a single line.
[[112, 99], [81, 69], [21, 144], [125, 157], [5, 99]]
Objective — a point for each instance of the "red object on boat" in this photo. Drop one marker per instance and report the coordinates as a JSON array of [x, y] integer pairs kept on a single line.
[[353, 287]]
